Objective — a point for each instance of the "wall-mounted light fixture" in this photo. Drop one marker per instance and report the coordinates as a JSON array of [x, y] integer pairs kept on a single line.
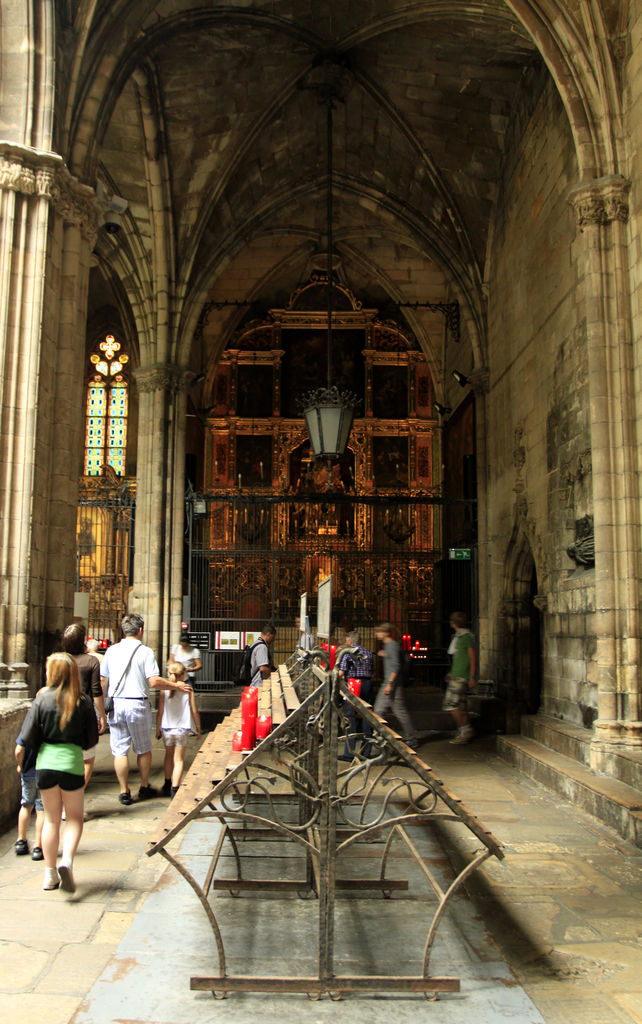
[[461, 378], [441, 410]]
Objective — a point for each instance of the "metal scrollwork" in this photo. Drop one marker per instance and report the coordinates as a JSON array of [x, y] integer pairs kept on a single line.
[[292, 787]]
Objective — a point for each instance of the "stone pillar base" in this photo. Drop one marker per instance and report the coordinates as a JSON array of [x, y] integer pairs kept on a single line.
[[612, 741], [13, 681], [628, 733]]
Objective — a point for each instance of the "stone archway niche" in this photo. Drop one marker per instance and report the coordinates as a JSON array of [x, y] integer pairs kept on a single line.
[[521, 662]]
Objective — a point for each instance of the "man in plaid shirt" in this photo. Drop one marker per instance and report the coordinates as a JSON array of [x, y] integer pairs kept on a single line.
[[356, 664]]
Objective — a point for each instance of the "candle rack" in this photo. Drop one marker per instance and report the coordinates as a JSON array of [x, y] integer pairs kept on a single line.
[[292, 786]]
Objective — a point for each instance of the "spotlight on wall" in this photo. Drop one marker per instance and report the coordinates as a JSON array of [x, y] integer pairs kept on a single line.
[[461, 378], [441, 410]]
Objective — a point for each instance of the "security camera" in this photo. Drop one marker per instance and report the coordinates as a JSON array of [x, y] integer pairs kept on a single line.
[[114, 209], [112, 223]]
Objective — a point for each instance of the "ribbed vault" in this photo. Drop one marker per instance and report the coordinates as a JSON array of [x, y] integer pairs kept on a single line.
[[196, 115]]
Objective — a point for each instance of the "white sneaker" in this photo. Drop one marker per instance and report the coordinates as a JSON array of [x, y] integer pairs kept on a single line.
[[463, 736], [66, 878], [51, 879]]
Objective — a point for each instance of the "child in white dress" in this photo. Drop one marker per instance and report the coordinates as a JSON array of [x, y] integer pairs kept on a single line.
[[177, 719]]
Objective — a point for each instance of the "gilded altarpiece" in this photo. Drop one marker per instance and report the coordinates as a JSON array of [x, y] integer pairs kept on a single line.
[[369, 519]]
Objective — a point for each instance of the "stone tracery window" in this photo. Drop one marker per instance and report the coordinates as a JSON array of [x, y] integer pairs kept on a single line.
[[107, 408]]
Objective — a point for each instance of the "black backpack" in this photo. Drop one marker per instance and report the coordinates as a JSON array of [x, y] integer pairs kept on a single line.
[[243, 672]]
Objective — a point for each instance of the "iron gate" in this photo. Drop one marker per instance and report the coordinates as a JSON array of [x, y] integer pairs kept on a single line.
[[104, 551], [250, 557]]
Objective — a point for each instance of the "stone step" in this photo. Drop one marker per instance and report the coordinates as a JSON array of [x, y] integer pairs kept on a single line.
[[610, 801], [571, 740], [615, 761]]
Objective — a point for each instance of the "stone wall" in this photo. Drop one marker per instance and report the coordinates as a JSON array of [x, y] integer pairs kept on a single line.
[[12, 713], [633, 129], [539, 449]]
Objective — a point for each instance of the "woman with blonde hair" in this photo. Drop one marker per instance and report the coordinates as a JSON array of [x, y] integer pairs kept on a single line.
[[60, 724]]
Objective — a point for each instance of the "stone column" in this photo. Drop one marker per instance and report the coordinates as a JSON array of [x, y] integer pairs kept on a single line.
[[479, 384], [38, 199], [63, 387], [601, 207], [160, 500]]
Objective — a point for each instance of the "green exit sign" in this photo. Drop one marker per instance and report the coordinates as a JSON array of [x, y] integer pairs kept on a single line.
[[459, 554]]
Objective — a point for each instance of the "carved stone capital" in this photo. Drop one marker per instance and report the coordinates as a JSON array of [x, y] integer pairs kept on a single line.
[[77, 204], [601, 201], [40, 174], [27, 170], [163, 377]]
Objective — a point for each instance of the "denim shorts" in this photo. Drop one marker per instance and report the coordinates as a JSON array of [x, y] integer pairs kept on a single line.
[[30, 792]]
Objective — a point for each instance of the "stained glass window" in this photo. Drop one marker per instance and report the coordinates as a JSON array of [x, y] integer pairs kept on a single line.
[[106, 419]]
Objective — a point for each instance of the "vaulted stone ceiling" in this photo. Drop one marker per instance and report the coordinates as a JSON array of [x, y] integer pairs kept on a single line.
[[196, 116]]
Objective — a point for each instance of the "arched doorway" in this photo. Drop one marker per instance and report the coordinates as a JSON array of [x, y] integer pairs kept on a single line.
[[522, 640]]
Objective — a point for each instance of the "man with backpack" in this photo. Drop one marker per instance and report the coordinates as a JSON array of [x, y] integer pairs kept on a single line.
[[260, 662]]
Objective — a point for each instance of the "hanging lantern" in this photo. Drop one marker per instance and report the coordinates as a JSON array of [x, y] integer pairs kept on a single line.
[[328, 416], [328, 411]]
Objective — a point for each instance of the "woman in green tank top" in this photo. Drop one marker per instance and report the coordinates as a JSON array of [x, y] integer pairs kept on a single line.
[[60, 724]]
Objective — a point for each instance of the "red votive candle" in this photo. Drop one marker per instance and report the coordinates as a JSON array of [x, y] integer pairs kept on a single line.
[[249, 702], [248, 733], [263, 726], [236, 741], [354, 685]]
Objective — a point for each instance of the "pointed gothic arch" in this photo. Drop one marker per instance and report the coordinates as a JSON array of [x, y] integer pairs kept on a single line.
[[520, 610]]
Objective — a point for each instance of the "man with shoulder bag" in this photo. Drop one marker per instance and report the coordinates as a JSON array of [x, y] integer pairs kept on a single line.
[[129, 671]]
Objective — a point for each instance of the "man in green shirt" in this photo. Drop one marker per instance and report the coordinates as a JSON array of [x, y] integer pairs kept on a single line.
[[461, 677]]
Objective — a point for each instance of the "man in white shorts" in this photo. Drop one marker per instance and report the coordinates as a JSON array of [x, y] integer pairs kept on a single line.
[[129, 671]]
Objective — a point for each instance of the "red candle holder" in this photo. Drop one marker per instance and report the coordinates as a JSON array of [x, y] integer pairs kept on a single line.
[[248, 733], [354, 685], [333, 655], [263, 726], [249, 702]]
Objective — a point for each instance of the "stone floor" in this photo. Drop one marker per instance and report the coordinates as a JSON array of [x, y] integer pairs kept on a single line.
[[550, 935]]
